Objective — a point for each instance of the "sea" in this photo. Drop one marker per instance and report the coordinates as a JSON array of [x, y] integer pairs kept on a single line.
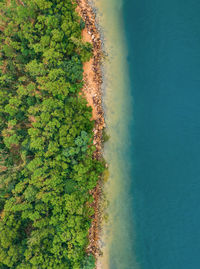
[[152, 110]]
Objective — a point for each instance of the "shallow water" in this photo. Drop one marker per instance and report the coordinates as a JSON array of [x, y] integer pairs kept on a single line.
[[117, 231]]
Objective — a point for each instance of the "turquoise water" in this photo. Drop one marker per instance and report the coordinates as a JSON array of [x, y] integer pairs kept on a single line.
[[163, 38]]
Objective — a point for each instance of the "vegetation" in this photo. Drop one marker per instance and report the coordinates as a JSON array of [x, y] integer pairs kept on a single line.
[[105, 136], [46, 152]]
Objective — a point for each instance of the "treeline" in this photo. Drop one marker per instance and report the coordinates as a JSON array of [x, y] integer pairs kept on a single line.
[[46, 152]]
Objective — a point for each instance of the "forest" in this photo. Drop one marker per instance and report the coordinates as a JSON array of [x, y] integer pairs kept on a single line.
[[47, 169]]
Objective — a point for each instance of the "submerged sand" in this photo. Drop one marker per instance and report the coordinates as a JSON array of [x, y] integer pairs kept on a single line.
[[117, 234]]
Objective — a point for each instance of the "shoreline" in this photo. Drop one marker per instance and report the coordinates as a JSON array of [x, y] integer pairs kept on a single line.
[[92, 90], [117, 233]]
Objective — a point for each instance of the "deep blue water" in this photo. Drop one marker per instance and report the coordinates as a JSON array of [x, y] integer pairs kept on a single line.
[[163, 38]]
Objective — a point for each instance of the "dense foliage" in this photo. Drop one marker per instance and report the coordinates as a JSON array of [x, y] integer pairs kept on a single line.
[[46, 163]]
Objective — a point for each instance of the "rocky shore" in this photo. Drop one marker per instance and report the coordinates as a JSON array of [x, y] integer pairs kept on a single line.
[[93, 93]]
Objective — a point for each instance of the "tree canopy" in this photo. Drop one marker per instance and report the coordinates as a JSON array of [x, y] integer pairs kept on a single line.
[[46, 152]]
